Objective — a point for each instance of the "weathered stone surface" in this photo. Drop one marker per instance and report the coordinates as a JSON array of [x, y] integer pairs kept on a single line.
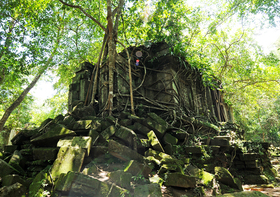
[[123, 152], [169, 168], [55, 133], [90, 170], [219, 142], [224, 176], [125, 122], [22, 136], [148, 190], [97, 151], [10, 148], [179, 180], [15, 190], [156, 125], [194, 150], [127, 135], [205, 178], [244, 194], [45, 153], [108, 132], [165, 158], [16, 160], [154, 141], [68, 159], [141, 128], [82, 124], [136, 168], [5, 168], [94, 136], [65, 180], [121, 178], [77, 141], [11, 179], [255, 179], [249, 156], [77, 184], [170, 139], [153, 153]]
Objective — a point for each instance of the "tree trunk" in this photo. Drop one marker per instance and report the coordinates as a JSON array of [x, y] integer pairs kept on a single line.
[[17, 102], [111, 53]]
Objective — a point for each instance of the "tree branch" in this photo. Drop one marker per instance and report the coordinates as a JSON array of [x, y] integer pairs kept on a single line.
[[85, 13]]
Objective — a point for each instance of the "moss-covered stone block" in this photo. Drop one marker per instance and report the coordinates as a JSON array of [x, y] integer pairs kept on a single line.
[[140, 128], [6, 168], [136, 168], [83, 142], [68, 159], [170, 139], [148, 190], [15, 190], [121, 178], [224, 176], [82, 124], [255, 179], [16, 160], [44, 153], [123, 152], [154, 141], [108, 132], [128, 136], [179, 180], [54, 133], [194, 150]]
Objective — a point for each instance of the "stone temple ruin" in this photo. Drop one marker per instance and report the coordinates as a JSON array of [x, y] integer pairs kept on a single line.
[[181, 142]]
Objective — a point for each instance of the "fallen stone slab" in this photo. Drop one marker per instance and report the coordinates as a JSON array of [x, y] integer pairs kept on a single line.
[[219, 142], [94, 136], [45, 153], [123, 152], [244, 194], [121, 178], [54, 133], [156, 125], [16, 160], [11, 179], [255, 179], [128, 136], [10, 149], [205, 178], [77, 184], [68, 159], [224, 176], [179, 180], [6, 168], [249, 156], [140, 128], [154, 141], [23, 135], [108, 132], [15, 190], [170, 139], [83, 142], [136, 168], [82, 124], [148, 190]]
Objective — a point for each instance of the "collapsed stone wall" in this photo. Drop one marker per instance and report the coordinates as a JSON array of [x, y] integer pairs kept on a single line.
[[126, 155], [162, 83]]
